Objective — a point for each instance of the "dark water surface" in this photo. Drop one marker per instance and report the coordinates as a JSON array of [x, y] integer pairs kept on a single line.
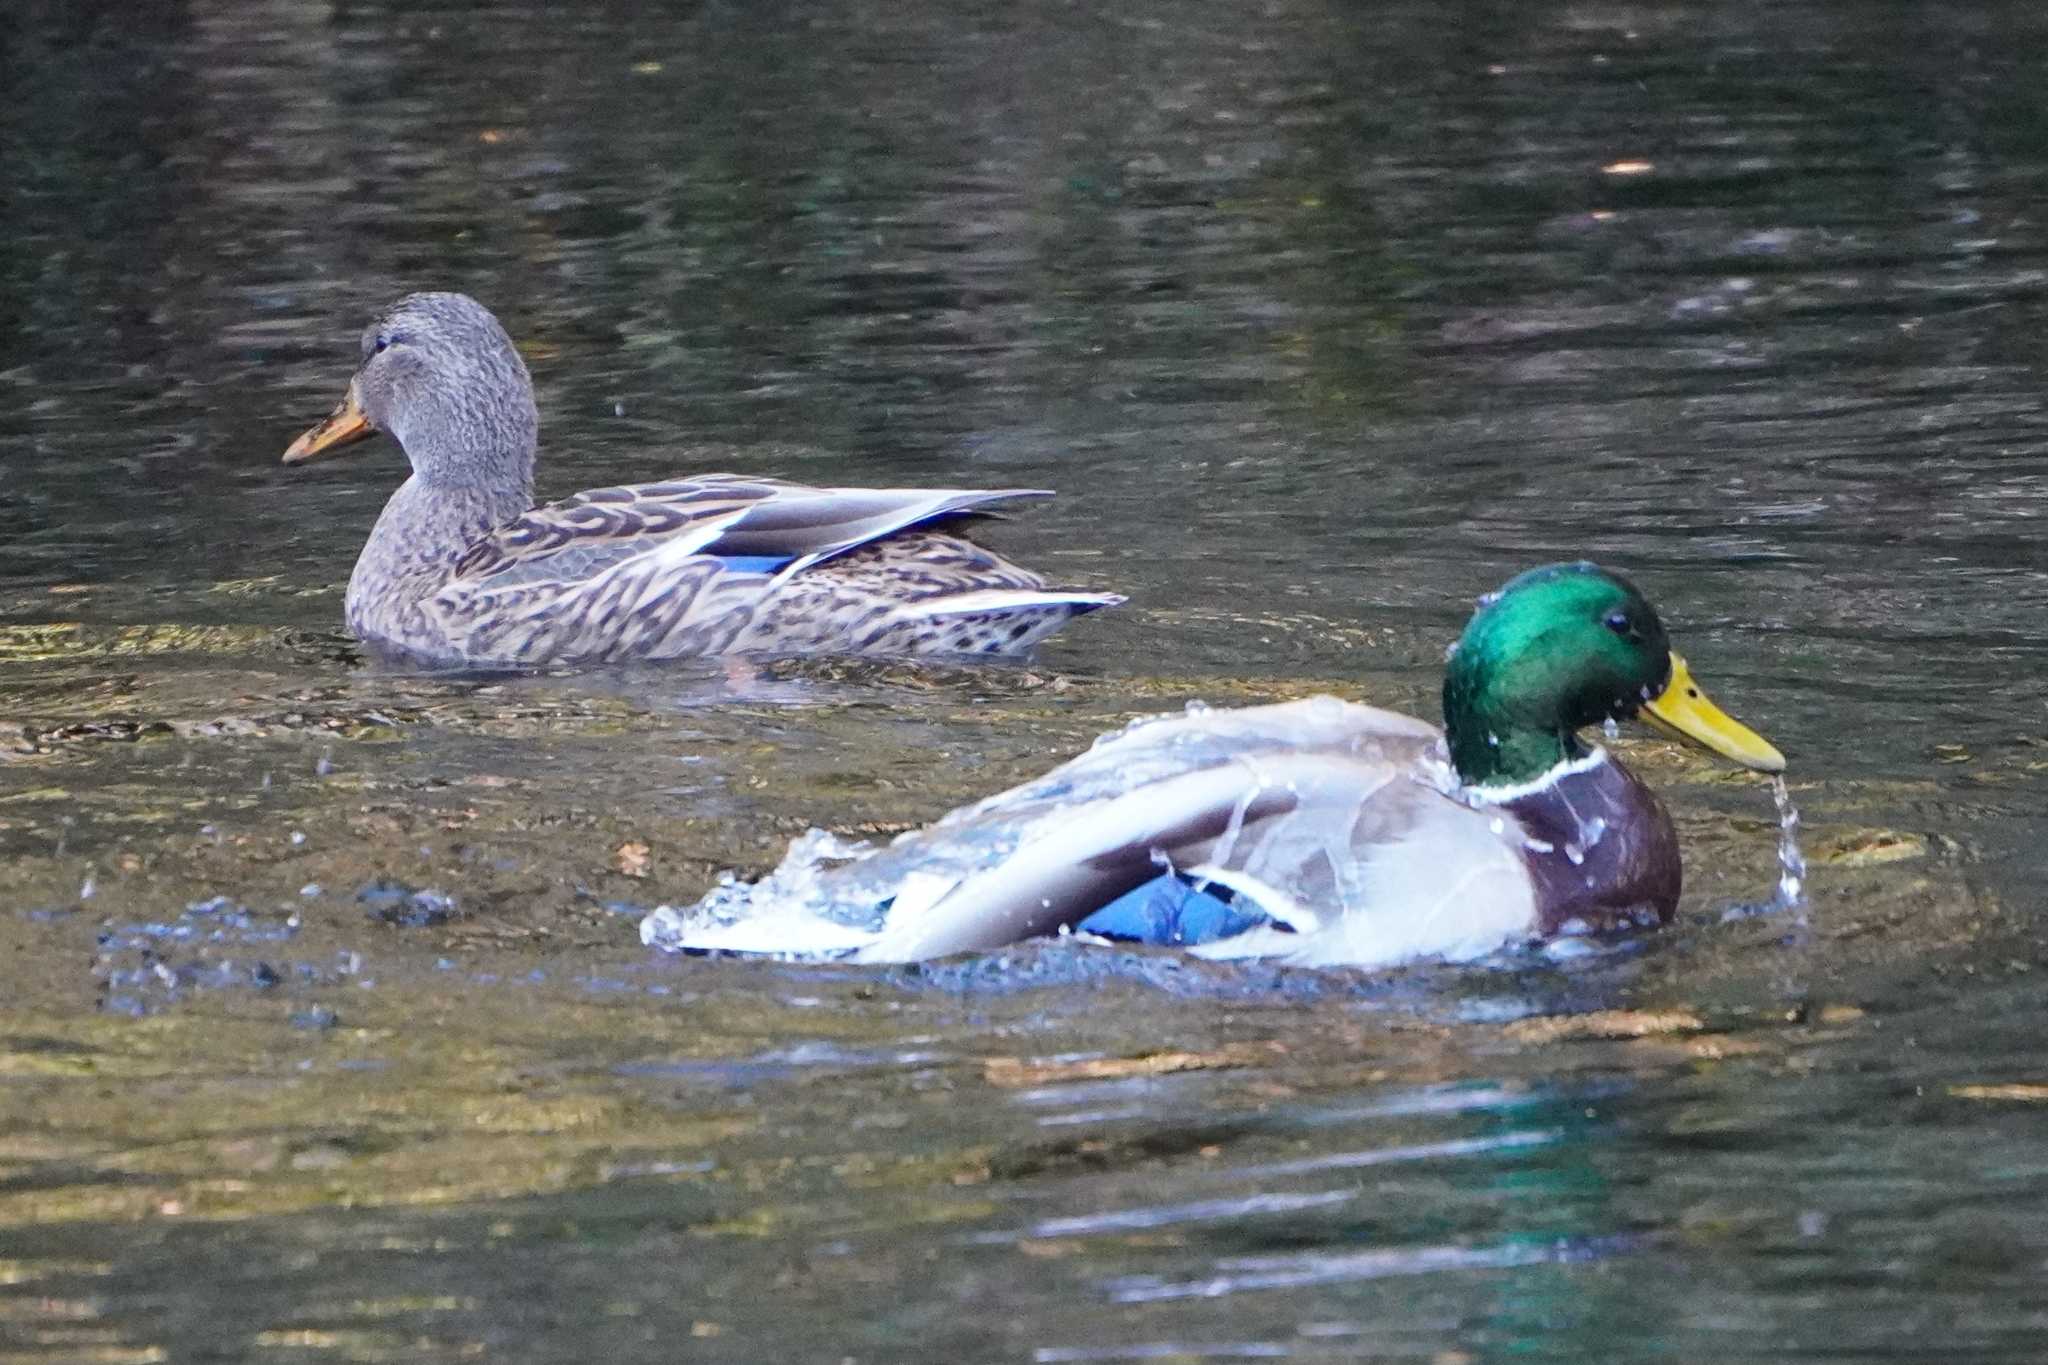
[[1324, 319]]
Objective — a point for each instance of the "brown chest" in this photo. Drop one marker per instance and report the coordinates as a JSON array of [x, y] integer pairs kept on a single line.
[[1600, 849]]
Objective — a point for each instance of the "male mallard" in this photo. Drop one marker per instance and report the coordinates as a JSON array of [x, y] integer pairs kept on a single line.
[[1325, 832], [462, 568]]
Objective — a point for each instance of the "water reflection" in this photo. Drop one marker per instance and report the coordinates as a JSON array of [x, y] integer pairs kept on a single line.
[[1323, 319]]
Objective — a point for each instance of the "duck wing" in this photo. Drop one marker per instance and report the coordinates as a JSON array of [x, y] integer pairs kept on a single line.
[[1334, 819], [914, 593], [727, 515], [668, 569]]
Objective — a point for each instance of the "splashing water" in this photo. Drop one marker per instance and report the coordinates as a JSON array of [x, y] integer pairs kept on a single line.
[[829, 899], [1791, 862], [1790, 894]]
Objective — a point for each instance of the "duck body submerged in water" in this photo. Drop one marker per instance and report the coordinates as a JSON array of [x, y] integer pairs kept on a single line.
[[463, 569], [1315, 832]]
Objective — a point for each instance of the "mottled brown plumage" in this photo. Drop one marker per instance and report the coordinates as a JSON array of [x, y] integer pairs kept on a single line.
[[462, 568]]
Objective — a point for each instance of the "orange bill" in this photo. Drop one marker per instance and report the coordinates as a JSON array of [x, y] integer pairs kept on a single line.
[[343, 427]]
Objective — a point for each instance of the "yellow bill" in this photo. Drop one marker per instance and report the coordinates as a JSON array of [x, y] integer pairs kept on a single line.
[[343, 427], [1682, 711]]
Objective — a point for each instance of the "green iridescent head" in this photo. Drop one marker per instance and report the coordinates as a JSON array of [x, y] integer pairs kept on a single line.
[[1563, 647]]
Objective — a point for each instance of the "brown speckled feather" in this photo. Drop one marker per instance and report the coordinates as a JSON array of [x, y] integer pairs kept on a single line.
[[462, 568], [642, 572]]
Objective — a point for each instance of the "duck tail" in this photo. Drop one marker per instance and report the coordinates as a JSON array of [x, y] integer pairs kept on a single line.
[[999, 620]]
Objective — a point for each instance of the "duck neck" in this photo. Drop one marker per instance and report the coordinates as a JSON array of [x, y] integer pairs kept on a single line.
[[469, 477], [412, 551], [1493, 740], [1486, 757], [473, 445], [437, 522], [499, 472]]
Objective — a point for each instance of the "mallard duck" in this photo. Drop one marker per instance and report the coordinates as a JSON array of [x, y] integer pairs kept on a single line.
[[1315, 832], [462, 568]]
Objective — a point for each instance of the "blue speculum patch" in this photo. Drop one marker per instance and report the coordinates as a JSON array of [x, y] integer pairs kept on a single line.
[[754, 563], [1170, 911]]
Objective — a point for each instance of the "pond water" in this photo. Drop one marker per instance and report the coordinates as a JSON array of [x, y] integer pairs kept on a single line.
[[327, 1033]]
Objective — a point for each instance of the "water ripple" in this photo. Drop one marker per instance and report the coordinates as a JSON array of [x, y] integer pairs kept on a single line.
[[1242, 1274], [1382, 1156]]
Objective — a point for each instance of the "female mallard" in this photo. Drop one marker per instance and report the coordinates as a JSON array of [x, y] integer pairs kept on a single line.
[[462, 568], [1324, 832]]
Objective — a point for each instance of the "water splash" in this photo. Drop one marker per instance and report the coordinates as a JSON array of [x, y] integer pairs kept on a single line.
[[1226, 843], [800, 906], [217, 944], [1790, 893], [1791, 862], [829, 899]]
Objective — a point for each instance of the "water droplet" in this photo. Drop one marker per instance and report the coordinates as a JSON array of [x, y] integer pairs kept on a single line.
[[325, 764], [1575, 853], [1611, 728], [1791, 862]]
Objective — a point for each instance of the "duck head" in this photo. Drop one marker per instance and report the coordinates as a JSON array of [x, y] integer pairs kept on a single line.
[[441, 377], [1563, 647]]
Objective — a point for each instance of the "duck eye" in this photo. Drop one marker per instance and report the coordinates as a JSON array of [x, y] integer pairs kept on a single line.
[[381, 343], [1618, 622]]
